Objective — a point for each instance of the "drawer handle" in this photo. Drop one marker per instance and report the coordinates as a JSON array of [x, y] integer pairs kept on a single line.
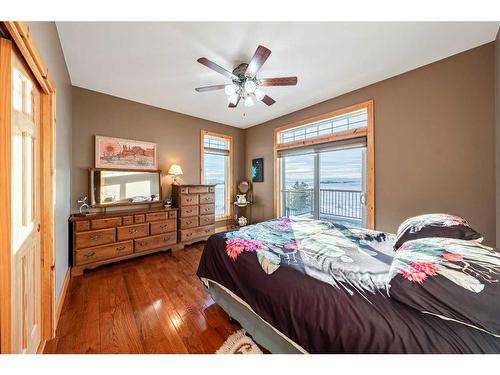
[[132, 230], [163, 226], [90, 254], [120, 248], [168, 238], [95, 237], [144, 243], [189, 199], [189, 234], [189, 211], [207, 230], [188, 222], [207, 209], [207, 198]]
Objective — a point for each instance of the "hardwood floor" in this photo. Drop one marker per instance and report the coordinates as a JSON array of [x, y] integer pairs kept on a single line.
[[153, 304]]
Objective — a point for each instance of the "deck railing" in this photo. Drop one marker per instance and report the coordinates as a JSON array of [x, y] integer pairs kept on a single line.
[[332, 202]]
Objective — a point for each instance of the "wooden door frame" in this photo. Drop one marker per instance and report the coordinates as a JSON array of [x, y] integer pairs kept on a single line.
[[19, 35], [368, 132]]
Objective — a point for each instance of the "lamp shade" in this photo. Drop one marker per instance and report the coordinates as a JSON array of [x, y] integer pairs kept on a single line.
[[175, 170]]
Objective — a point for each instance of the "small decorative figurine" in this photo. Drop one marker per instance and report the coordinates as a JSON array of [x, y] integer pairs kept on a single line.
[[242, 221], [84, 207]]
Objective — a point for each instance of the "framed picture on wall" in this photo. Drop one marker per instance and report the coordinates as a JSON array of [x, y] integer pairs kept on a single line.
[[119, 153], [258, 170]]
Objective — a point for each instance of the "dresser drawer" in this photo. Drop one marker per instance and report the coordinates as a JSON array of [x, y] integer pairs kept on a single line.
[[188, 222], [128, 220], [155, 242], [189, 211], [95, 237], [157, 216], [81, 226], [199, 189], [139, 219], [172, 214], [189, 199], [96, 254], [163, 226], [190, 234], [106, 223], [133, 231], [207, 219], [206, 209], [207, 198]]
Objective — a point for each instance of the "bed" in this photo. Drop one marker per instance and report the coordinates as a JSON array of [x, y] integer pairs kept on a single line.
[[301, 285]]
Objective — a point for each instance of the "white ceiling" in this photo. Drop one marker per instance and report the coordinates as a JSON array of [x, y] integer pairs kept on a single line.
[[155, 63]]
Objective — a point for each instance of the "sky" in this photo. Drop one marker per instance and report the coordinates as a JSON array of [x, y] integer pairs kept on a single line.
[[334, 164]]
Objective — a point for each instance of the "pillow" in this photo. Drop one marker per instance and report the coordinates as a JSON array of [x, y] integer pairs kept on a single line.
[[454, 279], [434, 225]]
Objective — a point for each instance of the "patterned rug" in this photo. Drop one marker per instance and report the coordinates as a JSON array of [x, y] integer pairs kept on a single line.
[[239, 343]]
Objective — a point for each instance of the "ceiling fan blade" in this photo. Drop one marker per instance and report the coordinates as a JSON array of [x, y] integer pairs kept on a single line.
[[279, 81], [259, 58], [268, 100], [231, 105], [210, 88], [217, 68]]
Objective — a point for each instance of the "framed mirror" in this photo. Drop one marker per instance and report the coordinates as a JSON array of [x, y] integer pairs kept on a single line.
[[244, 187], [124, 187]]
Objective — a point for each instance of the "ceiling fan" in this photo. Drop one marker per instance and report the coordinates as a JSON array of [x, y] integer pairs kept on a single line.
[[245, 84]]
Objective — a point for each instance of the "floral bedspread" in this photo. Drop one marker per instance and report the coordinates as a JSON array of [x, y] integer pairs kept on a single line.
[[356, 260]]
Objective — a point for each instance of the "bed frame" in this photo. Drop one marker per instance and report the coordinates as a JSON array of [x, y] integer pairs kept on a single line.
[[261, 331]]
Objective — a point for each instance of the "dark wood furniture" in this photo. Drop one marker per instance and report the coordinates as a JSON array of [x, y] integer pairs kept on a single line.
[[104, 238], [196, 204]]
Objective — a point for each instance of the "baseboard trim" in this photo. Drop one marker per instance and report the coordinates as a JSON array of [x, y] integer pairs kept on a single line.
[[62, 298]]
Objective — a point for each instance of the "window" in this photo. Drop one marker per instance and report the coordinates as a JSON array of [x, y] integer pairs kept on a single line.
[[348, 121], [216, 162], [325, 167]]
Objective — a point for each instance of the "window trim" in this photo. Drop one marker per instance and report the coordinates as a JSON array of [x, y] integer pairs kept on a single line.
[[367, 132], [230, 169]]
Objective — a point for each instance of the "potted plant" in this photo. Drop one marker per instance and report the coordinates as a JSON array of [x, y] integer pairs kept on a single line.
[[167, 202]]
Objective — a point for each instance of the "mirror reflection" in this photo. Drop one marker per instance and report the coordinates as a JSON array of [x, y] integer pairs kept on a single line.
[[124, 187]]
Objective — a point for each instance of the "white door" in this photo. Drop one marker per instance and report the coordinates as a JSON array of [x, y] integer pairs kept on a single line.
[[26, 255]]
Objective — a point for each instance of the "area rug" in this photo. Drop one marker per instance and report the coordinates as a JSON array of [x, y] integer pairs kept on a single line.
[[239, 343]]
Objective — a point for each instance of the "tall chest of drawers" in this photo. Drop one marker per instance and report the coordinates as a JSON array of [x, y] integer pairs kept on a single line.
[[196, 204], [106, 238]]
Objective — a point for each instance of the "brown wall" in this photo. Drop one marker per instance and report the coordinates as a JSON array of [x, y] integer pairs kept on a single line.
[[47, 41], [177, 136], [434, 142]]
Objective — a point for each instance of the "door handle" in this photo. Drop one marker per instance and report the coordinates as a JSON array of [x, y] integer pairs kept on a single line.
[[38, 227]]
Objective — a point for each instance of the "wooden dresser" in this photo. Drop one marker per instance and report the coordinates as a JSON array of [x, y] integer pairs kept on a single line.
[[99, 239], [196, 204]]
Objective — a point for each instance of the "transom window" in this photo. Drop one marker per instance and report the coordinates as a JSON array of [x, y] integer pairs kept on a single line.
[[216, 161], [349, 121]]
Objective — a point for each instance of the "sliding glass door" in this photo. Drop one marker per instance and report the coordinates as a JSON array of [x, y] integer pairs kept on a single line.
[[298, 178], [327, 182]]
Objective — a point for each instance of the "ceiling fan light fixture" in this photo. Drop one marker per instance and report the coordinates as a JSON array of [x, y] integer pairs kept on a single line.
[[259, 94], [233, 98], [250, 86], [230, 89], [248, 101]]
